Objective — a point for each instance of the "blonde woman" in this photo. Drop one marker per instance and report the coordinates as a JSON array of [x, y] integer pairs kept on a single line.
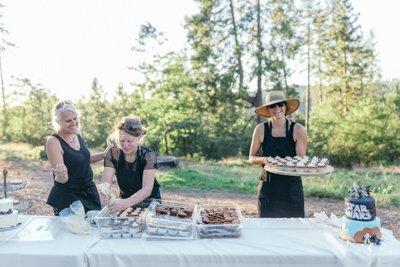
[[70, 161], [133, 164]]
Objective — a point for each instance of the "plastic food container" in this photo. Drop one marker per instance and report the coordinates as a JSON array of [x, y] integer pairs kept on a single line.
[[170, 220], [126, 224], [218, 221]]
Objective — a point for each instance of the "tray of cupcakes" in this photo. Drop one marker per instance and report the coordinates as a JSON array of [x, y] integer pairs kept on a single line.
[[298, 166], [218, 221], [170, 220], [129, 223]]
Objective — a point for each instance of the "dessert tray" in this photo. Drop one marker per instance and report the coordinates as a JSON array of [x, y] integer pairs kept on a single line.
[[129, 223], [218, 221], [298, 166], [39, 228], [170, 220]]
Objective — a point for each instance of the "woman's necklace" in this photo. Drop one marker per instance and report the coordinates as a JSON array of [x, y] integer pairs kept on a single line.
[[72, 142]]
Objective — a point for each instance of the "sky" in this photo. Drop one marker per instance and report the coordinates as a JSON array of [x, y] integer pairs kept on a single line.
[[64, 44]]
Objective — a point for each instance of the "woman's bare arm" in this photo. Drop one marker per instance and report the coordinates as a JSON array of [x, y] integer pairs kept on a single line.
[[300, 137], [55, 156], [258, 136]]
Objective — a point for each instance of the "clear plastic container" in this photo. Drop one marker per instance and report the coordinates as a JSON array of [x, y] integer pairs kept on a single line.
[[168, 224], [222, 230], [113, 226]]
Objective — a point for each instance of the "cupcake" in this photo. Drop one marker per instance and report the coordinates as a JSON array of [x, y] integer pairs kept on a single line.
[[288, 158], [297, 157], [289, 166], [312, 167], [125, 226], [134, 231], [280, 166], [116, 235], [162, 230], [300, 166], [151, 230], [129, 210], [305, 159], [106, 231], [270, 160], [321, 166], [325, 160], [172, 232], [116, 225], [184, 232]]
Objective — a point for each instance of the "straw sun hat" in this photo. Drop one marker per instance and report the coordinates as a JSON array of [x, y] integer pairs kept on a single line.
[[273, 97]]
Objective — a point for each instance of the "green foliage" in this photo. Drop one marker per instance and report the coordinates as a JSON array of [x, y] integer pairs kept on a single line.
[[36, 153], [31, 118], [368, 134], [94, 116], [210, 176]]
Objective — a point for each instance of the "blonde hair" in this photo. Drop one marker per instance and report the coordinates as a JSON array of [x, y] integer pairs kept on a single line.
[[59, 109]]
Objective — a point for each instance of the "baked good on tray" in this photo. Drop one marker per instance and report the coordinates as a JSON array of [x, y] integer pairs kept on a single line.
[[218, 221], [298, 164]]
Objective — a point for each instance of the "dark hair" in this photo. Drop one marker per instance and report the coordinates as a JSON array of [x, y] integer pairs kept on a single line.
[[132, 126]]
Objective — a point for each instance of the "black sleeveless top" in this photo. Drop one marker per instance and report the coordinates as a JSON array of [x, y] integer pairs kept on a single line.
[[130, 174], [283, 195], [80, 184]]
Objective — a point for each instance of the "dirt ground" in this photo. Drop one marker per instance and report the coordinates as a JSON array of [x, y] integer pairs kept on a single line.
[[38, 184]]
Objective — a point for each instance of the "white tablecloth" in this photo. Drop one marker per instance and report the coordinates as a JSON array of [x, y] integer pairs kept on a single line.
[[16, 250], [264, 242]]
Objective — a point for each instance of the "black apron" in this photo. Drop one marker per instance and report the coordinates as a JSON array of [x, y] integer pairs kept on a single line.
[[80, 184], [130, 175], [280, 196]]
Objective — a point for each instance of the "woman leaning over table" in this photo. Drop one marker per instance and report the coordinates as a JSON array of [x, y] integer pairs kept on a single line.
[[133, 164], [70, 161], [279, 196]]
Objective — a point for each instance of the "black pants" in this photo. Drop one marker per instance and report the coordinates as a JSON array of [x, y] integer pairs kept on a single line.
[[270, 208]]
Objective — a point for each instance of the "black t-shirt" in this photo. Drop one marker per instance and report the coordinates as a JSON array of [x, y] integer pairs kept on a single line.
[[130, 174]]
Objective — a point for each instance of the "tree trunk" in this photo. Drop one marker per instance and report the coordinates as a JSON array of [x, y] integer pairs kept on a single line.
[[308, 76], [166, 143], [258, 97], [285, 72], [238, 48], [5, 111]]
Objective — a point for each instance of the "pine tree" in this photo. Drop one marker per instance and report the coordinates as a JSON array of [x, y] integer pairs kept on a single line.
[[95, 116], [343, 57], [4, 45]]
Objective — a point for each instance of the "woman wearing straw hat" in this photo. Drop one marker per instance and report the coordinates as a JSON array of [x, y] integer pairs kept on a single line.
[[278, 196]]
